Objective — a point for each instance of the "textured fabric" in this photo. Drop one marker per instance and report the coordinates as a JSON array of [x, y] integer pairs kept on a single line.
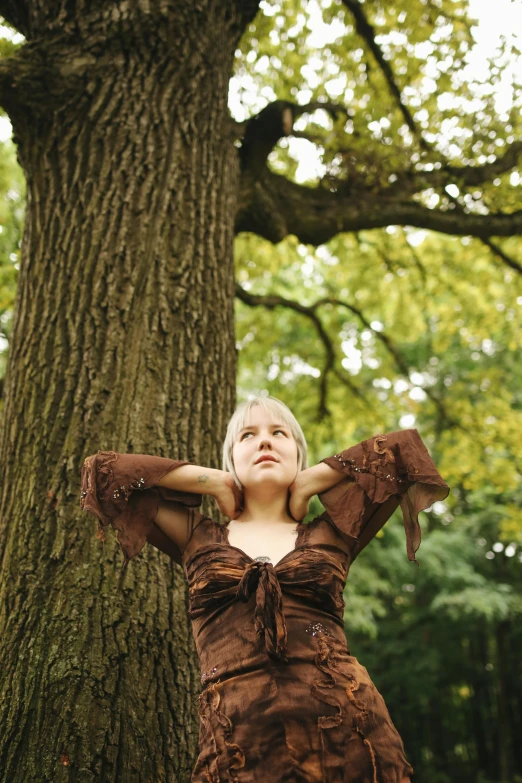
[[282, 700], [385, 471], [109, 484]]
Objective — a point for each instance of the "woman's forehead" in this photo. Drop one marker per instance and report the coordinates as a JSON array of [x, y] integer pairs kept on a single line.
[[270, 424], [258, 415]]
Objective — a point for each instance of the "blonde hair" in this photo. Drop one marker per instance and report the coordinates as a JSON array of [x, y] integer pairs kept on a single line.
[[278, 410]]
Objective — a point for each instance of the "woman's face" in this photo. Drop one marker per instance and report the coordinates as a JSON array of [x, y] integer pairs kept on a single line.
[[265, 437]]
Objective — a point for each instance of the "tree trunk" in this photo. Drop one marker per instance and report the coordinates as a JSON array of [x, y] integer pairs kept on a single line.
[[123, 339]]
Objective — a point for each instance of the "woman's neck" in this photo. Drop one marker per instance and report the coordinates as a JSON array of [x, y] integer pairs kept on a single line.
[[262, 506]]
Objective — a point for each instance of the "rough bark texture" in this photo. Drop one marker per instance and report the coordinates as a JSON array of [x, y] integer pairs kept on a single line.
[[123, 339]]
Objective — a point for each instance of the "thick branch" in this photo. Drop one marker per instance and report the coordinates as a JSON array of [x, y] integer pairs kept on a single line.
[[276, 207], [262, 132], [48, 74], [335, 109]]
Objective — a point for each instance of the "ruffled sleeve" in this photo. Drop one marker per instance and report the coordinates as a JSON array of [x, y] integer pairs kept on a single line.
[[382, 473], [119, 489]]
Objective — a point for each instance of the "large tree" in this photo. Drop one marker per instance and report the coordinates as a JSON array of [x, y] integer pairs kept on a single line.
[[138, 179]]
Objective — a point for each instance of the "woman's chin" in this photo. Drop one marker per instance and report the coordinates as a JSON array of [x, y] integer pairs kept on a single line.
[[280, 483]]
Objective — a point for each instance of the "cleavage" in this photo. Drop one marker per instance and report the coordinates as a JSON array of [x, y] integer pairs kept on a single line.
[[275, 543]]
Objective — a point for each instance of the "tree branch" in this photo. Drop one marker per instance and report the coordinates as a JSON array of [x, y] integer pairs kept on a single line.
[[503, 256], [366, 30], [467, 176], [330, 108], [261, 133], [272, 300], [399, 360], [42, 76], [276, 207]]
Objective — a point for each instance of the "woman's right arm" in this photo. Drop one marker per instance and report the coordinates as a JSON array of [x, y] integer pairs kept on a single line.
[[206, 481], [174, 522], [141, 496]]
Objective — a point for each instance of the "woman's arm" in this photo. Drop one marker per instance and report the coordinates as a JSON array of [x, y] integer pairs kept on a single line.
[[167, 543], [193, 478], [208, 481], [308, 483]]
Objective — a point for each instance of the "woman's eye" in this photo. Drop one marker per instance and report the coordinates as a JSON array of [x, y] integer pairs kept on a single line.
[[243, 436]]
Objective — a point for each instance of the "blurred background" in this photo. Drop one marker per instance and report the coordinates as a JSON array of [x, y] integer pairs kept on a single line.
[[416, 329]]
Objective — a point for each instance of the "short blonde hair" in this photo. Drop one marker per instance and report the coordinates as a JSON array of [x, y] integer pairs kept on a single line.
[[279, 411]]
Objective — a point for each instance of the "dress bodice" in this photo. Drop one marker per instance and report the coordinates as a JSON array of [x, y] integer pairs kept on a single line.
[[219, 574]]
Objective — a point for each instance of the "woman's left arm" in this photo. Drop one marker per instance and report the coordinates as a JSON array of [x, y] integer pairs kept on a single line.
[[308, 483]]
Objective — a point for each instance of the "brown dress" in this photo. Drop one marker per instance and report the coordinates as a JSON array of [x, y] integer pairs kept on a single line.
[[283, 700]]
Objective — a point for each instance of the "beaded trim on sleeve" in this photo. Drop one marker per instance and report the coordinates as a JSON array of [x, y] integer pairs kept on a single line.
[[372, 466], [124, 492], [356, 469]]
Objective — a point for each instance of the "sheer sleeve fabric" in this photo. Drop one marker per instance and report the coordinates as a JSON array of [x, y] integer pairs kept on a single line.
[[382, 473], [119, 489]]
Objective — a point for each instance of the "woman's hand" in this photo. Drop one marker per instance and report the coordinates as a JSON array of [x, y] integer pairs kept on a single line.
[[299, 497], [310, 482], [228, 496]]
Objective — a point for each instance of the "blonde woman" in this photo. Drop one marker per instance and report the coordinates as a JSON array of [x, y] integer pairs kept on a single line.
[[283, 700]]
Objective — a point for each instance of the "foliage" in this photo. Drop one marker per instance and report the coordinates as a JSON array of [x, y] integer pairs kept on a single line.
[[462, 112], [12, 208]]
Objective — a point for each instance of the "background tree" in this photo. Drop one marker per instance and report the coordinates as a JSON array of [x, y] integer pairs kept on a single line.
[[138, 178]]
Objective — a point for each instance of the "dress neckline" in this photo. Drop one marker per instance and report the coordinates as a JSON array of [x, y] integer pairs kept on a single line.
[[300, 528]]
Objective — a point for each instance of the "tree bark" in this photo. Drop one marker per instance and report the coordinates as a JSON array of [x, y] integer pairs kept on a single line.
[[123, 338]]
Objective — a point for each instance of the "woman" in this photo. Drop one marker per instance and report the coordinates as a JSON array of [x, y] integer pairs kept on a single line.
[[283, 699]]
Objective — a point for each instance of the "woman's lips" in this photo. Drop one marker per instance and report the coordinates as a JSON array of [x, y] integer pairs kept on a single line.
[[265, 459]]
